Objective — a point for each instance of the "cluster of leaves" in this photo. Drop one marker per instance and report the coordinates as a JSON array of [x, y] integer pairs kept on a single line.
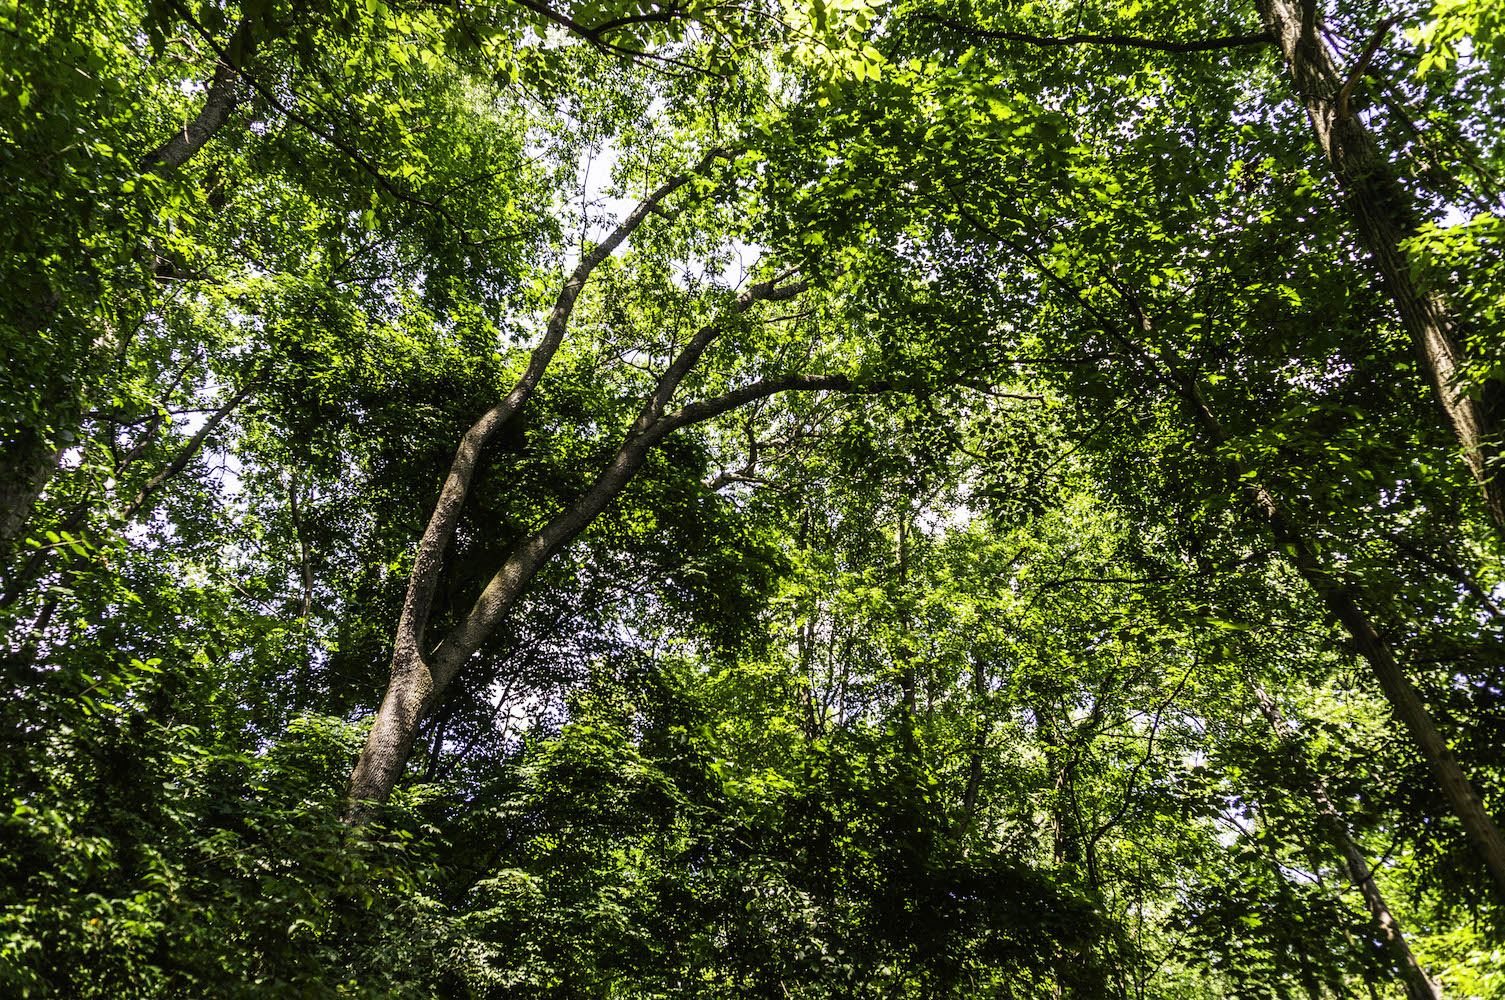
[[983, 680], [150, 851]]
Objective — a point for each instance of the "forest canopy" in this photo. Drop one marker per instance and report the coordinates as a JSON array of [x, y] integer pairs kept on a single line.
[[859, 499]]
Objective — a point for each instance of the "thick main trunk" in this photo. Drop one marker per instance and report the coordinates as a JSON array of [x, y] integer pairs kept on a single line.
[[418, 682], [25, 469], [1384, 216], [412, 687], [30, 456], [1419, 986]]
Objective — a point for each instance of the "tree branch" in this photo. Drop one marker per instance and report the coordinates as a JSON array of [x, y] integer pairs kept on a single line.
[[186, 453], [218, 103], [305, 566], [441, 527], [597, 35], [705, 409], [729, 476], [1452, 569], [668, 383], [350, 152], [1362, 65], [646, 432], [1116, 41]]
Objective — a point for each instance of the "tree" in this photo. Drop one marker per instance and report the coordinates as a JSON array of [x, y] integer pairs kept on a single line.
[[837, 500]]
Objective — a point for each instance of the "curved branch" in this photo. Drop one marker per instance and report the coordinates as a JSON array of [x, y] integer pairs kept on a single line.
[[646, 432]]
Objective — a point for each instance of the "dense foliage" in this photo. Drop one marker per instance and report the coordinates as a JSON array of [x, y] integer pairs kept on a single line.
[[859, 499]]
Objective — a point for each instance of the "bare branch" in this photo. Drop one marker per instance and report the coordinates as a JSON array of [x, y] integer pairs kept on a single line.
[[1116, 41], [994, 393], [597, 35], [186, 453], [1362, 65]]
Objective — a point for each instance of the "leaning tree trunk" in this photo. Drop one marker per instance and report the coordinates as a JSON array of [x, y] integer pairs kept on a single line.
[[1336, 594], [30, 460], [1419, 986], [26, 466], [412, 682], [418, 681], [1332, 589], [1340, 601], [1384, 215]]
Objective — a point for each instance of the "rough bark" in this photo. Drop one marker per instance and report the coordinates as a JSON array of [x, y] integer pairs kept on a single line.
[[24, 474], [1384, 216], [411, 684], [1419, 986], [219, 102], [418, 682]]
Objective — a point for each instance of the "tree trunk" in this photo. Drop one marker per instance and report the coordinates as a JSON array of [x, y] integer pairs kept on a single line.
[[1335, 594], [411, 685], [979, 746], [30, 456], [25, 469], [417, 682], [219, 102], [1384, 215], [30, 460], [1419, 986], [907, 680]]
